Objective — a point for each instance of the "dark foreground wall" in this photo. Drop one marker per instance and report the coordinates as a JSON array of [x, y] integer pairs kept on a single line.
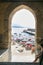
[[6, 63]]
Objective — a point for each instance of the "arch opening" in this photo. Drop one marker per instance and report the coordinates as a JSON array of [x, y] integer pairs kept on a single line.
[[23, 18]]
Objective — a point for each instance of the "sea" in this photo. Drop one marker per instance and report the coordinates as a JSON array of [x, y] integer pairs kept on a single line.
[[23, 34], [17, 30]]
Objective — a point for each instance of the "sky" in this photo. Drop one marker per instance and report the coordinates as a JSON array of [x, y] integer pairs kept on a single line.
[[24, 18]]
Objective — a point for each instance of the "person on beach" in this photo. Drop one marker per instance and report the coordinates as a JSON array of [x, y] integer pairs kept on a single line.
[[40, 55]]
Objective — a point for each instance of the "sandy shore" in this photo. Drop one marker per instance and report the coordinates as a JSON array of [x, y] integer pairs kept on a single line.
[[25, 56]]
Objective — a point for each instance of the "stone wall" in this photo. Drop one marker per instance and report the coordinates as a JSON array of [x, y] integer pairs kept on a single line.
[[6, 9], [3, 29]]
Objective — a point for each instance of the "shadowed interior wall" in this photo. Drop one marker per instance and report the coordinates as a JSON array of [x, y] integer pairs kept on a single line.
[[6, 9]]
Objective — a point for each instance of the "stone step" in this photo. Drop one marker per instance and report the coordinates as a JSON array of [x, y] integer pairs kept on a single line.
[[15, 63]]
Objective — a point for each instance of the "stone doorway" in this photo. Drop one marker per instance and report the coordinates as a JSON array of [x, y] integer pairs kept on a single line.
[[13, 12]]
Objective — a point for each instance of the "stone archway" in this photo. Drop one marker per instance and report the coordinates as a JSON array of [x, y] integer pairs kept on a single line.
[[6, 9], [10, 10], [7, 21], [17, 9], [13, 12]]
